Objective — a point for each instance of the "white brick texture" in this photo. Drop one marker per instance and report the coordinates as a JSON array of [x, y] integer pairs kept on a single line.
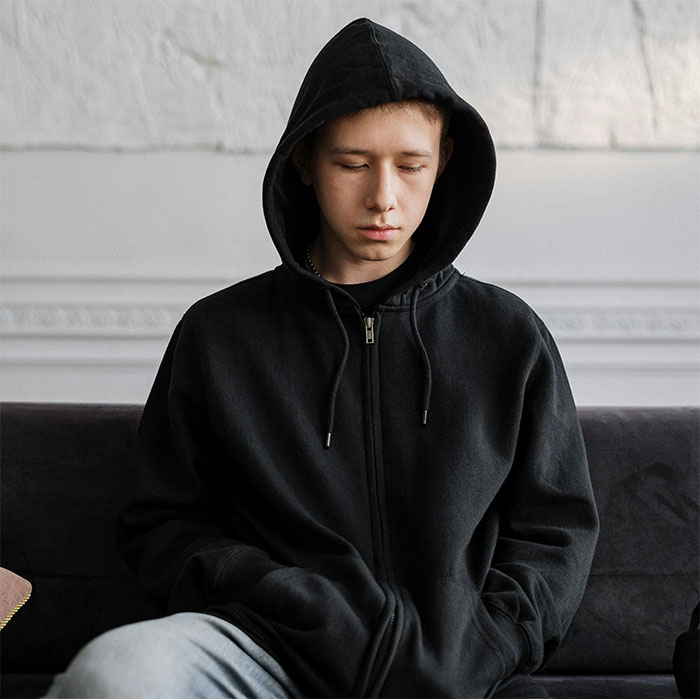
[[222, 74]]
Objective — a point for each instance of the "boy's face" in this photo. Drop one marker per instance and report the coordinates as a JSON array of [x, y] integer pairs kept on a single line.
[[373, 172]]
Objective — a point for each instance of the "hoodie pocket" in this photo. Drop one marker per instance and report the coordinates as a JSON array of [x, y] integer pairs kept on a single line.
[[295, 597], [450, 645], [501, 635], [325, 620]]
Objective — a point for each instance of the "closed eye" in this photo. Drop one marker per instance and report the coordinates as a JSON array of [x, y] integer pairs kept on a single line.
[[345, 166]]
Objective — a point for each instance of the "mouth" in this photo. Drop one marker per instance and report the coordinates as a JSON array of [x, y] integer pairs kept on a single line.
[[382, 232]]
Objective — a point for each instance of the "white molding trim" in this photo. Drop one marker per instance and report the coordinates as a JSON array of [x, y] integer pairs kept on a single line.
[[61, 325], [603, 324], [583, 324], [74, 320], [101, 338]]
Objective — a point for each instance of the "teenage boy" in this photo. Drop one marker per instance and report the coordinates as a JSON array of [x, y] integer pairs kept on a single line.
[[361, 473]]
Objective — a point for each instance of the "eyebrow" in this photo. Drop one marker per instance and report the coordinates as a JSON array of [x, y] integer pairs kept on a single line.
[[360, 151]]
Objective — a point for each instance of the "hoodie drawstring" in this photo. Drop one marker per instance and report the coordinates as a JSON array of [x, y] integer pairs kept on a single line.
[[427, 368], [341, 367]]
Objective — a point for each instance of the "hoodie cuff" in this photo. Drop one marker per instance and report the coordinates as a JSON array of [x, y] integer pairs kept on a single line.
[[517, 638], [244, 567]]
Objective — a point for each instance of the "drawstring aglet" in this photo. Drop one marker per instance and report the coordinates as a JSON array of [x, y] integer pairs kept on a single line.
[[328, 440], [425, 417]]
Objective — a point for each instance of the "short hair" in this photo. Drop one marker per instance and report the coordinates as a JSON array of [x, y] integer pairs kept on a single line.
[[433, 111]]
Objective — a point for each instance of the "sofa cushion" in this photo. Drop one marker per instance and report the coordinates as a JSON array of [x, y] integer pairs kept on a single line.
[[24, 686], [609, 686]]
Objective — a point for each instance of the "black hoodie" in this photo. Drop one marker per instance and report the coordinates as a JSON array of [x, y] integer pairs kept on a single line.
[[406, 559]]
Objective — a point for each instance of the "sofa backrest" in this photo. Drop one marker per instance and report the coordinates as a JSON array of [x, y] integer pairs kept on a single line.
[[63, 471], [64, 467], [644, 580]]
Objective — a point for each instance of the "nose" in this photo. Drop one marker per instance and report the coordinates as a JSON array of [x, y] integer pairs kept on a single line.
[[381, 193]]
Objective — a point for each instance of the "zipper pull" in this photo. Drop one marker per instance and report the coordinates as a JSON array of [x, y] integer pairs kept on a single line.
[[369, 330]]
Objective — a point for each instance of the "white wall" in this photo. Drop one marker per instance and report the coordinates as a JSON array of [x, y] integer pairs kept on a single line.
[[134, 136]]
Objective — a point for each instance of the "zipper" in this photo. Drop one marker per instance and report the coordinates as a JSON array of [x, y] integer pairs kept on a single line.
[[382, 565], [379, 658], [369, 329], [378, 532]]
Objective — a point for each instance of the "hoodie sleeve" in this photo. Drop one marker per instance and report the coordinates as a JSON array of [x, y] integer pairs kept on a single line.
[[548, 523], [170, 528]]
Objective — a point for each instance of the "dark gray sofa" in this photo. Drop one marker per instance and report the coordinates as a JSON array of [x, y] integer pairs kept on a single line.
[[64, 467]]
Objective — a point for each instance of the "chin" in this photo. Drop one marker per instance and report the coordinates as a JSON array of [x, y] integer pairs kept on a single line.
[[382, 255], [382, 249]]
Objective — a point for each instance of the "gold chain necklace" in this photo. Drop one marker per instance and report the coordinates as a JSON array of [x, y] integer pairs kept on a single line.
[[310, 263]]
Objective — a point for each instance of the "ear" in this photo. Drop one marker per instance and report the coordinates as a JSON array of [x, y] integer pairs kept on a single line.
[[446, 148], [301, 159]]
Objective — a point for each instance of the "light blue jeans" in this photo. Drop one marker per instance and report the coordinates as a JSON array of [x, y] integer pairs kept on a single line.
[[183, 655]]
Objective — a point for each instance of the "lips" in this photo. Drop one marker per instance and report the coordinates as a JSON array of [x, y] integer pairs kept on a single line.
[[382, 232]]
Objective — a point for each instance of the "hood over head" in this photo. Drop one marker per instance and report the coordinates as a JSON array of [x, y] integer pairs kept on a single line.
[[363, 65]]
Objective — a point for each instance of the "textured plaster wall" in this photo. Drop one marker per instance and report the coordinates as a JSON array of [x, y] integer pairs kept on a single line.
[[134, 135], [134, 74]]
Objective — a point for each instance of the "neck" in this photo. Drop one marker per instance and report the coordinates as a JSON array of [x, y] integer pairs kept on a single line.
[[334, 268]]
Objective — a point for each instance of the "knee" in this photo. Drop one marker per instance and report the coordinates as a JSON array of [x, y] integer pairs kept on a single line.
[[129, 661]]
